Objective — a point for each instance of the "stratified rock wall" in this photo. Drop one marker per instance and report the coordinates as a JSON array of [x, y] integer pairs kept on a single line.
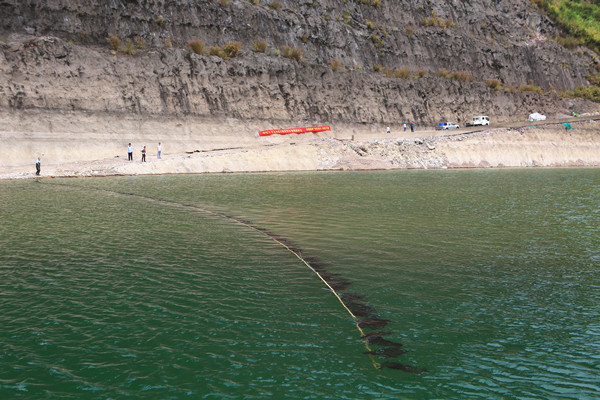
[[55, 55]]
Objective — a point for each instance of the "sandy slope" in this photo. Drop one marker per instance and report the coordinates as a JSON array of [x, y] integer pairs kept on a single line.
[[93, 145]]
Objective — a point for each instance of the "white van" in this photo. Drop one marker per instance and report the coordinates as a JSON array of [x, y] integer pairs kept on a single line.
[[479, 120]]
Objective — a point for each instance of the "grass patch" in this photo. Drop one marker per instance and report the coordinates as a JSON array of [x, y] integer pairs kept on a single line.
[[275, 5], [462, 76], [260, 46], [578, 18], [129, 48], [114, 42], [530, 87], [232, 49], [444, 73], [587, 92], [336, 65], [493, 83], [197, 46], [434, 21], [292, 53]]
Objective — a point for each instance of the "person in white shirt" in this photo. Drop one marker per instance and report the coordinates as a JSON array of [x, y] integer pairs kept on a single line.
[[159, 148], [130, 152]]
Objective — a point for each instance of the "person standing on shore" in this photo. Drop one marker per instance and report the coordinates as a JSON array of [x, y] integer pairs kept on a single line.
[[144, 154], [38, 166], [388, 130], [130, 152], [404, 126], [412, 126], [159, 148]]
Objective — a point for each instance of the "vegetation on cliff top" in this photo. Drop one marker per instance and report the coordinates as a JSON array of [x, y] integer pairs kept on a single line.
[[579, 18]]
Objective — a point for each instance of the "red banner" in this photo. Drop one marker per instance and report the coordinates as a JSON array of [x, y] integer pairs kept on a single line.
[[305, 129]]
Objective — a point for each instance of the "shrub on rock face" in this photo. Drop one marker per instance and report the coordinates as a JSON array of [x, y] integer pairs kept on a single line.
[[129, 49], [218, 51], [197, 46], [530, 87], [114, 42], [444, 73], [275, 5], [493, 83], [292, 53], [232, 49], [336, 64], [402, 73], [140, 42], [260, 46], [462, 76]]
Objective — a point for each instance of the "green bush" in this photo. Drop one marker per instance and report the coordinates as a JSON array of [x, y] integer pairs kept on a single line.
[[588, 92], [579, 18]]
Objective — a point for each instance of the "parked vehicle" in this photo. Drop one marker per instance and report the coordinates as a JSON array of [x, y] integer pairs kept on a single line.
[[447, 125], [479, 120]]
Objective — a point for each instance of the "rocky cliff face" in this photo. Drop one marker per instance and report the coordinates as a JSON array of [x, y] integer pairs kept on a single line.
[[55, 55]]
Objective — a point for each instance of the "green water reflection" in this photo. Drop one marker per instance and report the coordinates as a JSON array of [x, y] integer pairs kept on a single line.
[[134, 287]]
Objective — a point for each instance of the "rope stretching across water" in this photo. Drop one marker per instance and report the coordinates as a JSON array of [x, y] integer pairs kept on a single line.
[[283, 242]]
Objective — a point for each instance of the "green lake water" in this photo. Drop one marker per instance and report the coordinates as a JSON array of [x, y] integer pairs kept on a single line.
[[173, 287]]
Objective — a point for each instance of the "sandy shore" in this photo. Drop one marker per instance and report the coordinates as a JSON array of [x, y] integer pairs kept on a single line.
[[68, 150]]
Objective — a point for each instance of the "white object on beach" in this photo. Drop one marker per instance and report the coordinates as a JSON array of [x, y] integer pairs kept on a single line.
[[537, 117]]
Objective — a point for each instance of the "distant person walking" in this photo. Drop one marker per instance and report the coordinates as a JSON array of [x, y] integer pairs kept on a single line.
[[130, 152], [412, 126], [159, 148], [38, 166], [388, 130], [405, 127], [144, 154]]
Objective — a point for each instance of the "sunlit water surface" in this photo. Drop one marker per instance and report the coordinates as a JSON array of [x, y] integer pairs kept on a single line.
[[150, 287]]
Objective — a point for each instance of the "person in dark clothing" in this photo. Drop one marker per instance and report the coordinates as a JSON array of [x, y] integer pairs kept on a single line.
[[38, 166], [144, 154]]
